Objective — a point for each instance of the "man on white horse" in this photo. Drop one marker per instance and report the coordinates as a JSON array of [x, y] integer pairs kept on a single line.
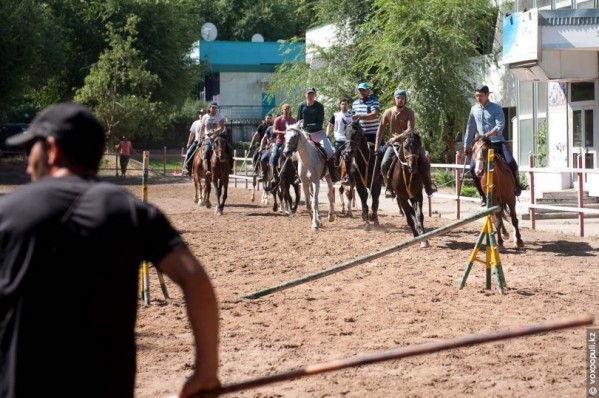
[[312, 114]]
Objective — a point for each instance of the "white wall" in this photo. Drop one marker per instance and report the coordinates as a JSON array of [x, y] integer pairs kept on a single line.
[[242, 88]]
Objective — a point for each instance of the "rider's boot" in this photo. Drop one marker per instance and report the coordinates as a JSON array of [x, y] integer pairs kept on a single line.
[[206, 167], [389, 193], [332, 169], [516, 174], [263, 167], [479, 188]]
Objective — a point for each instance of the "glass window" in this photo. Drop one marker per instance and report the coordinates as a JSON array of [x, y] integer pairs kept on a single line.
[[588, 128], [583, 91], [525, 100], [524, 5], [563, 4], [542, 98], [577, 128], [526, 139], [585, 4], [546, 4]]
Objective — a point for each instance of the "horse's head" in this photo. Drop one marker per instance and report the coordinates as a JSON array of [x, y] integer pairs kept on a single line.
[[292, 136], [354, 137], [409, 151], [480, 148], [220, 147]]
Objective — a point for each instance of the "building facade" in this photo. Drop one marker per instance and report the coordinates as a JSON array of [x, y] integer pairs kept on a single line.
[[551, 48], [237, 79]]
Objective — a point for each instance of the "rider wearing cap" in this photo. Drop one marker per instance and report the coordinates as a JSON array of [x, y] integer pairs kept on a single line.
[[399, 119], [312, 114], [487, 119], [213, 124], [365, 110]]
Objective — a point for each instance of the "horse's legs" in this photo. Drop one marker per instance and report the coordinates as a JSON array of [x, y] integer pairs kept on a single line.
[[518, 243], [410, 214], [342, 199], [307, 194], [225, 191], [315, 213], [217, 191], [363, 194], [419, 217], [254, 181], [331, 195], [296, 188]]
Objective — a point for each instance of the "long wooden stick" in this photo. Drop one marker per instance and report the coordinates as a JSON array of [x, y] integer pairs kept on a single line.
[[426, 348]]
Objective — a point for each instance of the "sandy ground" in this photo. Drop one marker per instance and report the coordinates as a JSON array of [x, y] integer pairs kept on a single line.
[[407, 297]]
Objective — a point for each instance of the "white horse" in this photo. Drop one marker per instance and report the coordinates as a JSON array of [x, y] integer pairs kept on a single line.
[[311, 168]]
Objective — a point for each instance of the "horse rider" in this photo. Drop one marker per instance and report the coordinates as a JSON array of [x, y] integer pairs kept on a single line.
[[365, 111], [264, 150], [258, 135], [193, 142], [279, 129], [487, 119], [312, 114], [338, 123], [400, 119], [213, 123]]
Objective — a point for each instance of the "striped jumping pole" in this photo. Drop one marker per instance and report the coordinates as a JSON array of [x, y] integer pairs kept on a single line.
[[145, 279], [369, 257], [486, 234], [145, 276]]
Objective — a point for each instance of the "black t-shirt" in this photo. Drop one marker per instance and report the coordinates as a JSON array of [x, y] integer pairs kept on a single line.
[[313, 116], [70, 251], [262, 130]]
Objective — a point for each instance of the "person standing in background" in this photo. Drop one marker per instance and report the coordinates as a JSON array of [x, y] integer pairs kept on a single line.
[[125, 148]]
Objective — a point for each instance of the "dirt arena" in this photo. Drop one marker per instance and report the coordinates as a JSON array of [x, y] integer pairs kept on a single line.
[[404, 298]]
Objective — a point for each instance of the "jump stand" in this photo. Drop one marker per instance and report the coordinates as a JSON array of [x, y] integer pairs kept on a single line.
[[486, 235], [144, 275]]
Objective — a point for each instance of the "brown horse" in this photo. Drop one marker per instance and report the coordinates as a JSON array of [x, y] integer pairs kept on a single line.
[[503, 192], [220, 163], [201, 192], [365, 171], [346, 191], [406, 181]]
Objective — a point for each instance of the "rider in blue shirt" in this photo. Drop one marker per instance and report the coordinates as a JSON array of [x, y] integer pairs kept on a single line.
[[487, 118]]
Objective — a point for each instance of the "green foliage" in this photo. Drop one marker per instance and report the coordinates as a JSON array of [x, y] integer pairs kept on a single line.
[[119, 87], [541, 141], [469, 191], [444, 178]]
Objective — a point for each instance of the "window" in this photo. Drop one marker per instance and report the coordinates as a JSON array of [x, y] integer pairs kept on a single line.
[[583, 91]]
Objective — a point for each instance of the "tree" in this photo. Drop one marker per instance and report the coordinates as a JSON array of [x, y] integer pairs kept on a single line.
[[119, 87], [424, 46]]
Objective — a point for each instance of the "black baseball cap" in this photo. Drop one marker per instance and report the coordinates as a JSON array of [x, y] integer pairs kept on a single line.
[[481, 88], [67, 122]]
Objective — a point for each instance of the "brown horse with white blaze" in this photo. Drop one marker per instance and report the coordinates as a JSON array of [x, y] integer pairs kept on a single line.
[[503, 192]]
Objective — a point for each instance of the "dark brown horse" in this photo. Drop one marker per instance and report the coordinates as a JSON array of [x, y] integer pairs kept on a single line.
[[220, 163], [279, 182], [406, 181], [503, 189], [366, 177]]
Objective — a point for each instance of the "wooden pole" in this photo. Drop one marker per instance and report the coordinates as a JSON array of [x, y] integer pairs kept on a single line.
[[371, 256], [418, 349]]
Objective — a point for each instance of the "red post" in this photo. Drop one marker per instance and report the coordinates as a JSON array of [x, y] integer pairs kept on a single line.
[[164, 161], [458, 183], [580, 191], [531, 176]]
